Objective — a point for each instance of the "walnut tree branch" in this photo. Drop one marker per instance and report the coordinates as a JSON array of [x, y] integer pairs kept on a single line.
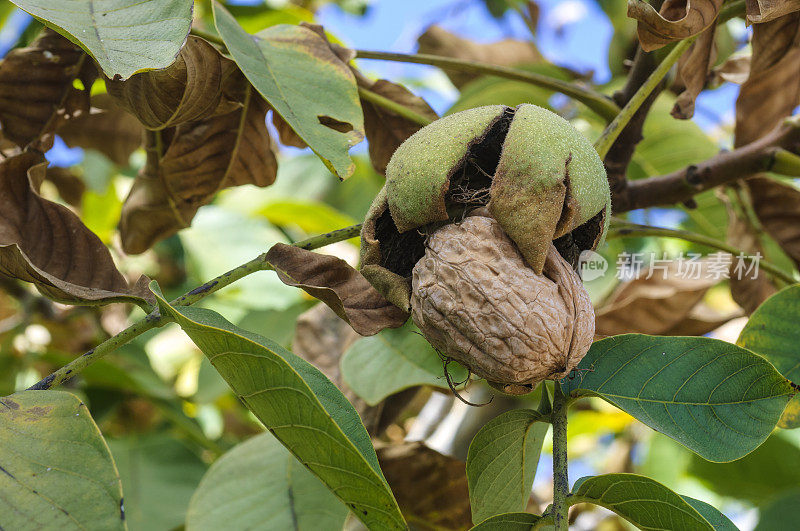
[[769, 153]]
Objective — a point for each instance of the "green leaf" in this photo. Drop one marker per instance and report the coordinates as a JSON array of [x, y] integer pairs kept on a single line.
[[669, 144], [259, 485], [55, 468], [295, 70], [301, 407], [719, 400], [509, 522], [311, 217], [123, 36], [502, 461], [718, 521], [642, 501], [791, 415], [772, 332], [781, 514], [765, 473], [395, 359], [159, 474]]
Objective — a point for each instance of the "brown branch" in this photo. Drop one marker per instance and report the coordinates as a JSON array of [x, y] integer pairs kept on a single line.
[[621, 152], [680, 186]]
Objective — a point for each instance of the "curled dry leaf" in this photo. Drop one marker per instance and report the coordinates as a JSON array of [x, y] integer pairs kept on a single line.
[[199, 159], [45, 243], [286, 134], [508, 52], [386, 130], [666, 303], [676, 20], [107, 128], [769, 95], [777, 206], [747, 292], [772, 89], [337, 284], [693, 72], [759, 11], [735, 69], [36, 87], [429, 485], [70, 187], [188, 90]]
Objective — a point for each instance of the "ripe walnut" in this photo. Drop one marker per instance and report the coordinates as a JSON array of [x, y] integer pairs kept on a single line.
[[477, 301]]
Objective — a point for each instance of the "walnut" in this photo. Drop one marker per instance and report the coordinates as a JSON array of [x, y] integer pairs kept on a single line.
[[536, 174], [477, 301], [497, 291]]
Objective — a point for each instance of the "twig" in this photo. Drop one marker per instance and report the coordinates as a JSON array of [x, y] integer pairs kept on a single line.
[[595, 101], [155, 319], [393, 106], [624, 229], [621, 151], [613, 130], [772, 152], [560, 472]]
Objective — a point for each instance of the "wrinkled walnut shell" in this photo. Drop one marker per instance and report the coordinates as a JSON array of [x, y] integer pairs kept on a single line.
[[477, 301]]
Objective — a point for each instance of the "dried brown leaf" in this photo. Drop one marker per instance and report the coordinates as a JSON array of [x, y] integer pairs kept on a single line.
[[676, 20], [701, 320], [337, 284], [107, 128], [45, 243], [386, 130], [759, 11], [693, 72], [36, 87], [428, 485], [70, 187], [188, 90], [735, 69], [772, 90], [508, 52], [199, 159], [769, 95], [747, 292], [286, 134], [658, 305], [777, 206]]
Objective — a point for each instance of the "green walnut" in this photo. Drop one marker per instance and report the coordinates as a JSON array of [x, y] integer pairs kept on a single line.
[[538, 177]]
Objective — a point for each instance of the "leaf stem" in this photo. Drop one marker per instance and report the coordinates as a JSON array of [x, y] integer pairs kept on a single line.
[[386, 103], [560, 474], [625, 229], [156, 320], [785, 162], [210, 37], [597, 102], [610, 134]]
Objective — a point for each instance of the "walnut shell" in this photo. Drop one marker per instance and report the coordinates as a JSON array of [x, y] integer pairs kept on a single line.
[[477, 301]]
